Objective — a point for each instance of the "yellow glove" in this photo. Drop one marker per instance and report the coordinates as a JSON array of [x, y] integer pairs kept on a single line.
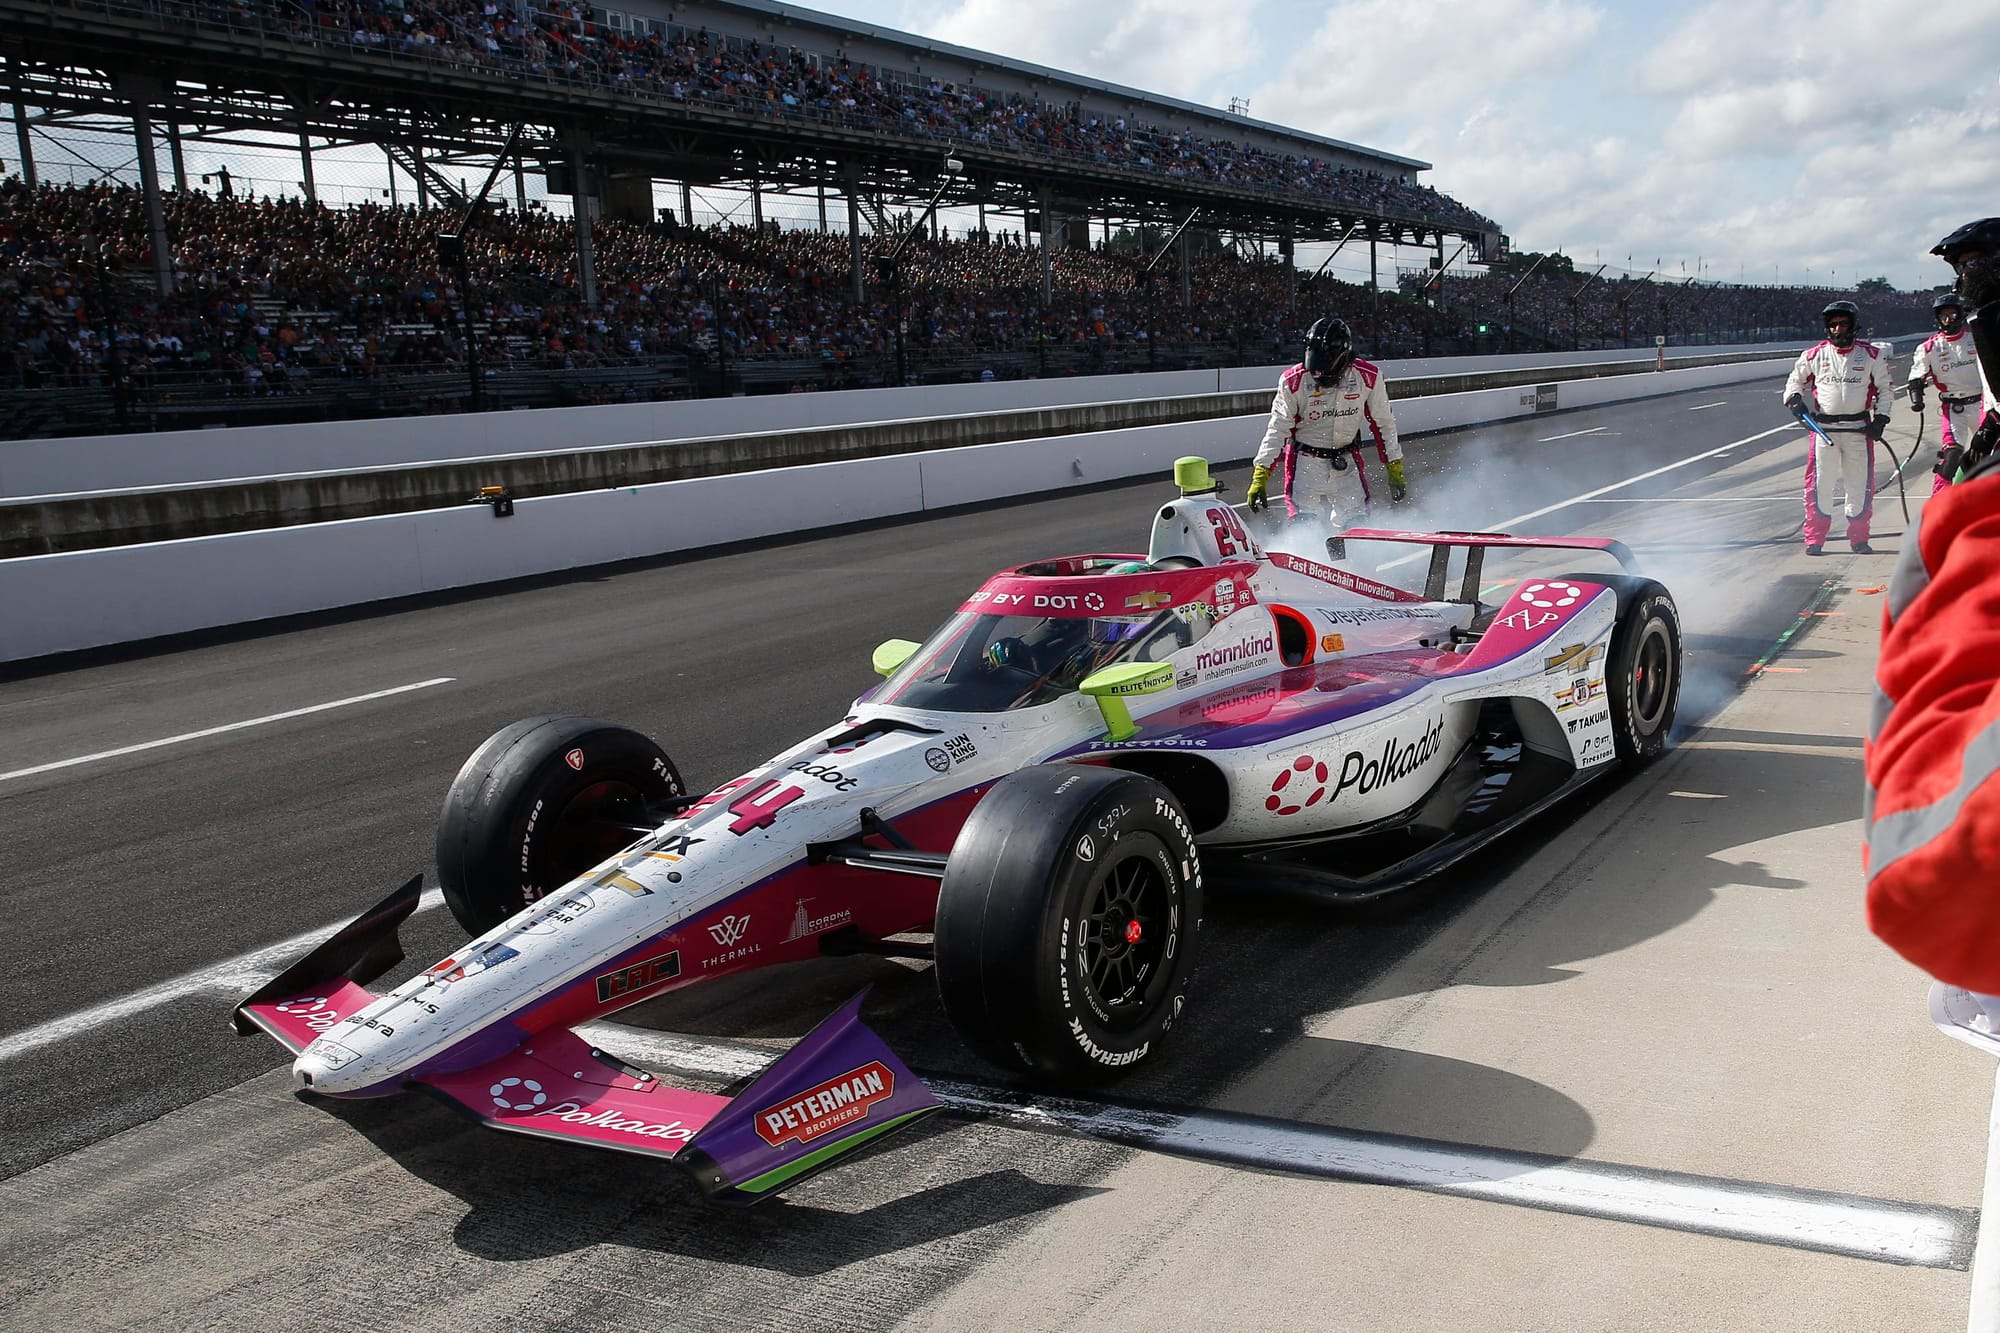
[[1260, 479], [1398, 490]]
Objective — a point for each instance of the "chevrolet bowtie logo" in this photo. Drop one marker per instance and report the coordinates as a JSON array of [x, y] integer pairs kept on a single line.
[[1146, 601]]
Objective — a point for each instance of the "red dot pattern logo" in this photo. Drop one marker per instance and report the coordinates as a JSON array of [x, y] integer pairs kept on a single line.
[[1307, 771]]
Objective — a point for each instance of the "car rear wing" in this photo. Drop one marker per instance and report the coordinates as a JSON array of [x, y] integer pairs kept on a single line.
[[1475, 544]]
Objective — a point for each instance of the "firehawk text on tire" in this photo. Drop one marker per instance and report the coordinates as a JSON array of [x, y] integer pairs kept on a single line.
[[1067, 920], [539, 803]]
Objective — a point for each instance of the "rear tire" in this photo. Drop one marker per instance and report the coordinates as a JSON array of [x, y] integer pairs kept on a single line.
[[539, 803], [1642, 679], [1067, 920]]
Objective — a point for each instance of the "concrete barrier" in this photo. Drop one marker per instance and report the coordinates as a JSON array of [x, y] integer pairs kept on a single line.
[[49, 524], [86, 599], [191, 457]]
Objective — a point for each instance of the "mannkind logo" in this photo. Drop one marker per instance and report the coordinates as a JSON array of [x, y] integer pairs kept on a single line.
[[821, 1110], [573, 1113], [1236, 654], [1396, 762]]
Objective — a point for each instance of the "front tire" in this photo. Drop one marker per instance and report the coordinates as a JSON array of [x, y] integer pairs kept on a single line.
[[1066, 922], [539, 803]]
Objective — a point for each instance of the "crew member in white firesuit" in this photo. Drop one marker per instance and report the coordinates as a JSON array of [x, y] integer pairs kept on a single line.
[[1948, 363], [1847, 379], [1316, 422]]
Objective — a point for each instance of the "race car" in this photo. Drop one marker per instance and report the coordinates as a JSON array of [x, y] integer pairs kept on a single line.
[[1036, 798]]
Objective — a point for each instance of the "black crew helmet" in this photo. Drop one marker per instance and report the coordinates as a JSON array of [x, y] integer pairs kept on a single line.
[[1329, 347], [1973, 239], [1853, 313], [1948, 301]]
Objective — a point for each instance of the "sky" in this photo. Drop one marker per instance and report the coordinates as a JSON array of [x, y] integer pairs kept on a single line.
[[1734, 140]]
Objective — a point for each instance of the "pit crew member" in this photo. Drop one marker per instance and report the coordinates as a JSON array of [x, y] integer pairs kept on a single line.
[[1947, 362], [1843, 382], [1931, 808], [1314, 434]]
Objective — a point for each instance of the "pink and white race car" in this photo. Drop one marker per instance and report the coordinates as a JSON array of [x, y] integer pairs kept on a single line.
[[1037, 798]]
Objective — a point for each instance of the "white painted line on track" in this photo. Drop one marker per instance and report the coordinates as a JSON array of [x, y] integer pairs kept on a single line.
[[1700, 500], [1551, 439], [244, 972], [1506, 523], [1983, 1314], [1703, 407], [1853, 1225], [221, 730]]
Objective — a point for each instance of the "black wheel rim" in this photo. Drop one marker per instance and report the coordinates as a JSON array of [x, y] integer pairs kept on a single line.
[[1126, 929], [1652, 677], [599, 821]]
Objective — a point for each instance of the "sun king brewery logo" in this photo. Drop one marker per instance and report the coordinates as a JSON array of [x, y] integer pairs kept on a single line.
[[804, 924], [638, 976], [1398, 760], [821, 1110]]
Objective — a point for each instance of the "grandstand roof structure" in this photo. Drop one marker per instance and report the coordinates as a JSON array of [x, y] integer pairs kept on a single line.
[[204, 70]]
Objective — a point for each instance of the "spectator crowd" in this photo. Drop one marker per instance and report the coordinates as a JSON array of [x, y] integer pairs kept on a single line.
[[273, 295], [558, 41], [280, 296]]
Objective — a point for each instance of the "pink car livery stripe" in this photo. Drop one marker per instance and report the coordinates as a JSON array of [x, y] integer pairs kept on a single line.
[[1342, 578], [319, 1011], [556, 1086], [1261, 712], [1082, 596]]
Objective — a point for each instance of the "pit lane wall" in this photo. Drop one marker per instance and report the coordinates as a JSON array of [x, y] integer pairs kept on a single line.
[[87, 599], [41, 467]]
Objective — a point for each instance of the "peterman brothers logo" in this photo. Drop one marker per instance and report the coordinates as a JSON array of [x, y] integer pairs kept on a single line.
[[821, 1110]]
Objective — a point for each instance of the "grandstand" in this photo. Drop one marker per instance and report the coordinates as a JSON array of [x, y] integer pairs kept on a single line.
[[231, 308]]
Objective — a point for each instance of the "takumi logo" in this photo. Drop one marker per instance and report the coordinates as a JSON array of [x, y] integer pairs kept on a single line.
[[821, 1110]]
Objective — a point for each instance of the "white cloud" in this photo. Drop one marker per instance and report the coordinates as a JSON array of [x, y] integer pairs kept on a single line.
[[1179, 48]]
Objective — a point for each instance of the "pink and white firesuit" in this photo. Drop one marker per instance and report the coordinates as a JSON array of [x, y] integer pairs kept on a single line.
[[1842, 390], [1948, 363], [1318, 430]]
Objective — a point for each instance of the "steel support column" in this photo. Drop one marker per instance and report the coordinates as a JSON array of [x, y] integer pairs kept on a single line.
[[586, 254], [306, 159], [1048, 236], [149, 187], [854, 234], [174, 155], [25, 144]]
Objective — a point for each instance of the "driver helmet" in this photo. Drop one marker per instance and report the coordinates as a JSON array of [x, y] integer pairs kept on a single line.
[[1950, 315], [1841, 338], [1130, 567], [1329, 348]]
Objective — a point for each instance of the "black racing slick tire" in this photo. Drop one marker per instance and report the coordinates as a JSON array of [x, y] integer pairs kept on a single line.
[[1642, 680], [538, 804], [1067, 921]]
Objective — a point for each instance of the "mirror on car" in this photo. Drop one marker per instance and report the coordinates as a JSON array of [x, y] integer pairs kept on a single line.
[[1118, 682], [892, 653]]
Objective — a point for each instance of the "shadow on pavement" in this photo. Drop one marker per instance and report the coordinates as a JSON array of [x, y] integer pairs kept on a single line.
[[530, 1199]]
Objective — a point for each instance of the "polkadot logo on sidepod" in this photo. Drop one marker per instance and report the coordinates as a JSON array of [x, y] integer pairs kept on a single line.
[[1554, 593], [1307, 770], [504, 1094]]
